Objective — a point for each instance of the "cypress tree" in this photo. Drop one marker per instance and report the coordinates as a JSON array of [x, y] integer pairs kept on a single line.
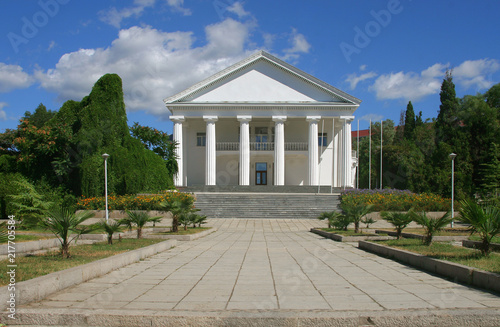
[[409, 122], [447, 119]]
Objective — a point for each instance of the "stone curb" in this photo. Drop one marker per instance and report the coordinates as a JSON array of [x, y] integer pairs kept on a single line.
[[457, 272], [477, 244], [341, 238], [38, 288], [295, 318], [421, 237], [189, 237]]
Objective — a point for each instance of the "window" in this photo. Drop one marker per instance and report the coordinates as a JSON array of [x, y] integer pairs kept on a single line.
[[322, 139], [201, 139]]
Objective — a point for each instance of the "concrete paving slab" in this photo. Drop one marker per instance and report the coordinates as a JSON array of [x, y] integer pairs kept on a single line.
[[265, 269]]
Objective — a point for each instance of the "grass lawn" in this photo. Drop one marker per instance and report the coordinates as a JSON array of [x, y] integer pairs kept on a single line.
[[43, 264], [189, 231], [346, 232], [447, 251], [444, 232], [495, 239], [27, 238]]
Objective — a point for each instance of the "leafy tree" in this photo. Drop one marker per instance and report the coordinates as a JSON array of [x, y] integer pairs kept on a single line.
[[110, 228], [493, 96], [490, 181], [431, 225], [138, 219], [356, 212], [409, 129], [64, 223], [27, 204], [484, 220], [399, 220], [40, 116]]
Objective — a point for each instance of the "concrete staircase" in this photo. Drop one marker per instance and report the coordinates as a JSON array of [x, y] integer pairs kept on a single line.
[[265, 205]]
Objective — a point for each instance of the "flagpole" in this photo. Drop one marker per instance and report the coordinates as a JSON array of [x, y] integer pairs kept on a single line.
[[381, 141], [370, 159]]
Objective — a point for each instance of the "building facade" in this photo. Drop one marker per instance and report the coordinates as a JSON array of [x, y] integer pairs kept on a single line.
[[263, 122]]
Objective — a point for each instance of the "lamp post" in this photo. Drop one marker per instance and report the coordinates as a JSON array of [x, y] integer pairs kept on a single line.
[[106, 156], [452, 156]]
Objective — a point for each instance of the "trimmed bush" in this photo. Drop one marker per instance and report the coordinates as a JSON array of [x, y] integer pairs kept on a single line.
[[131, 202], [395, 200]]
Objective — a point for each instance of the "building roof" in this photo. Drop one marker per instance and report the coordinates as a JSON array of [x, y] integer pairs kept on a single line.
[[218, 78]]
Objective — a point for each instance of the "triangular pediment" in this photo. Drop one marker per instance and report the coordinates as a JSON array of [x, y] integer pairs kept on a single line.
[[262, 78]]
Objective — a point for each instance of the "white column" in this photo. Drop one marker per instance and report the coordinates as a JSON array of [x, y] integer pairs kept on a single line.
[[244, 149], [210, 162], [347, 153], [279, 150], [179, 177], [335, 155], [313, 149], [340, 155]]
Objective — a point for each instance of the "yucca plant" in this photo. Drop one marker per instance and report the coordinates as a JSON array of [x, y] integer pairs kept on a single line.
[[110, 228], [368, 221], [137, 218], [356, 212], [398, 219], [483, 220], [431, 225], [64, 223]]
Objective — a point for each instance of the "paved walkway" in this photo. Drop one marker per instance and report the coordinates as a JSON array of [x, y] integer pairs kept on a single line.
[[267, 266]]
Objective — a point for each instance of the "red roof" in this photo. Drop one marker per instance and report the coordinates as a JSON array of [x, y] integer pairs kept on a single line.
[[362, 133]]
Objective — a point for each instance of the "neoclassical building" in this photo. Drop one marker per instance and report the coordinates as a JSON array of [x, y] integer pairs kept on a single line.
[[263, 122]]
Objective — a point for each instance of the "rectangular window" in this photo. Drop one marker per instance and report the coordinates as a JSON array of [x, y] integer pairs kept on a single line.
[[201, 139], [322, 139]]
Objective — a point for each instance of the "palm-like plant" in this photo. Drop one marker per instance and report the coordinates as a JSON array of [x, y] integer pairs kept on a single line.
[[176, 208], [66, 225], [110, 228], [137, 218], [368, 221], [356, 212], [330, 217], [198, 219], [399, 220], [484, 220], [431, 225]]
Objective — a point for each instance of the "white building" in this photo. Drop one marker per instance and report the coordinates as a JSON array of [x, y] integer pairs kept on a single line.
[[263, 122]]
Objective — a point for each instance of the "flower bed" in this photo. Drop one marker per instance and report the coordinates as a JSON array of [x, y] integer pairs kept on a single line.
[[396, 200], [130, 202]]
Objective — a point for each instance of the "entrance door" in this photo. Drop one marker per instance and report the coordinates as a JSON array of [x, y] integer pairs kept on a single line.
[[261, 173]]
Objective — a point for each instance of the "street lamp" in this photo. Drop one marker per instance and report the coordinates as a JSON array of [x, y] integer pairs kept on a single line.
[[106, 156], [452, 156]]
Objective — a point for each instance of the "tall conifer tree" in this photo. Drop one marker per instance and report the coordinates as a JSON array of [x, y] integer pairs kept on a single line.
[[409, 122]]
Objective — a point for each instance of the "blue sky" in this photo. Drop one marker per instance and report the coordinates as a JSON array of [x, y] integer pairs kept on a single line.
[[383, 52]]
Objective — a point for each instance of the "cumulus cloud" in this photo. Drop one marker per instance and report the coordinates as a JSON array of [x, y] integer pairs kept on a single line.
[[237, 8], [414, 86], [3, 114], [114, 16], [354, 79], [299, 45], [152, 64], [13, 77], [474, 73]]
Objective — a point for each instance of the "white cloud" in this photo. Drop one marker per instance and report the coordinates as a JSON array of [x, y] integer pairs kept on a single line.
[[153, 64], [299, 45], [51, 45], [114, 17], [411, 85], [237, 8], [372, 117], [3, 114], [414, 86], [354, 79], [362, 67], [13, 77], [177, 5], [473, 73]]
